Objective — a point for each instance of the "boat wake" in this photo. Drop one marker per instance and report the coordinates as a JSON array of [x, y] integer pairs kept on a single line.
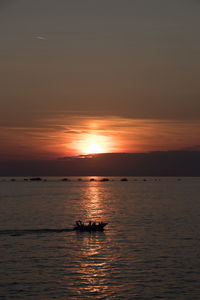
[[33, 231]]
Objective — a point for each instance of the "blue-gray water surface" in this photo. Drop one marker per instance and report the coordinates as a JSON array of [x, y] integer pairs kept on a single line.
[[149, 250]]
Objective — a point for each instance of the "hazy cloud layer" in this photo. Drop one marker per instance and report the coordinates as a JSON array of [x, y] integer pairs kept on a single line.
[[62, 135]]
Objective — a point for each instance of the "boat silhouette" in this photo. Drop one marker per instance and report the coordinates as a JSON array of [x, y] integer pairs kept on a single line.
[[91, 226]]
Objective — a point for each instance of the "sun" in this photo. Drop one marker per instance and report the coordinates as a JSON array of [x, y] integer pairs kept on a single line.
[[92, 143], [93, 148]]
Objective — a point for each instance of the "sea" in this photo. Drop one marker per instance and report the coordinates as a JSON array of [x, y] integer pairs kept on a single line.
[[150, 248]]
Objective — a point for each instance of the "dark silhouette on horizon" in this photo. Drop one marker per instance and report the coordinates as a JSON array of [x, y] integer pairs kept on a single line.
[[168, 163]]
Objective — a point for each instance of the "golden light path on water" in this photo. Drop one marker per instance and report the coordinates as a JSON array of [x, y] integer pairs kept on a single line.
[[94, 267], [93, 257], [93, 205]]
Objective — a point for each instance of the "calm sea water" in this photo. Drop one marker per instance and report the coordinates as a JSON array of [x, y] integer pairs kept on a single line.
[[150, 249]]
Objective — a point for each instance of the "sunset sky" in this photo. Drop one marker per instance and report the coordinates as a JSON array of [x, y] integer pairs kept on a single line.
[[83, 76]]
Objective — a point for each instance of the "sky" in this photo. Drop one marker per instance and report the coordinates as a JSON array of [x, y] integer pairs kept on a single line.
[[121, 75]]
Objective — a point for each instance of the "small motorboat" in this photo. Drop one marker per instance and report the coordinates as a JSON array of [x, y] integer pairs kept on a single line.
[[91, 226]]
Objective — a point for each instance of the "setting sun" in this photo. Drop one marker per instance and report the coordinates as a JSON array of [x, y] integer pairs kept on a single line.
[[93, 148], [91, 143]]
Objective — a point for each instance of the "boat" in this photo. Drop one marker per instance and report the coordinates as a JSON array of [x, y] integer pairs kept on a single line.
[[91, 226]]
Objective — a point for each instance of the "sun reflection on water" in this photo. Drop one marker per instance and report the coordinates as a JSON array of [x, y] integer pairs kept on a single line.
[[93, 256], [92, 202], [94, 266], [91, 263]]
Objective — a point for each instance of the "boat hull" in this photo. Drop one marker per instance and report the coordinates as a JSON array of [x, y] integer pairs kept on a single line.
[[98, 227]]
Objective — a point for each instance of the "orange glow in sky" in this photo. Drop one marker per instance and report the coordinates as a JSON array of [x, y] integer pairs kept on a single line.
[[83, 135]]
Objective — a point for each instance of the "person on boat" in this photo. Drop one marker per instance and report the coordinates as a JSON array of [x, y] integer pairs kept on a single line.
[[79, 223]]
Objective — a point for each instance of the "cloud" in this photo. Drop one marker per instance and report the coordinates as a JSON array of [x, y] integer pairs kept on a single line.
[[40, 37]]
